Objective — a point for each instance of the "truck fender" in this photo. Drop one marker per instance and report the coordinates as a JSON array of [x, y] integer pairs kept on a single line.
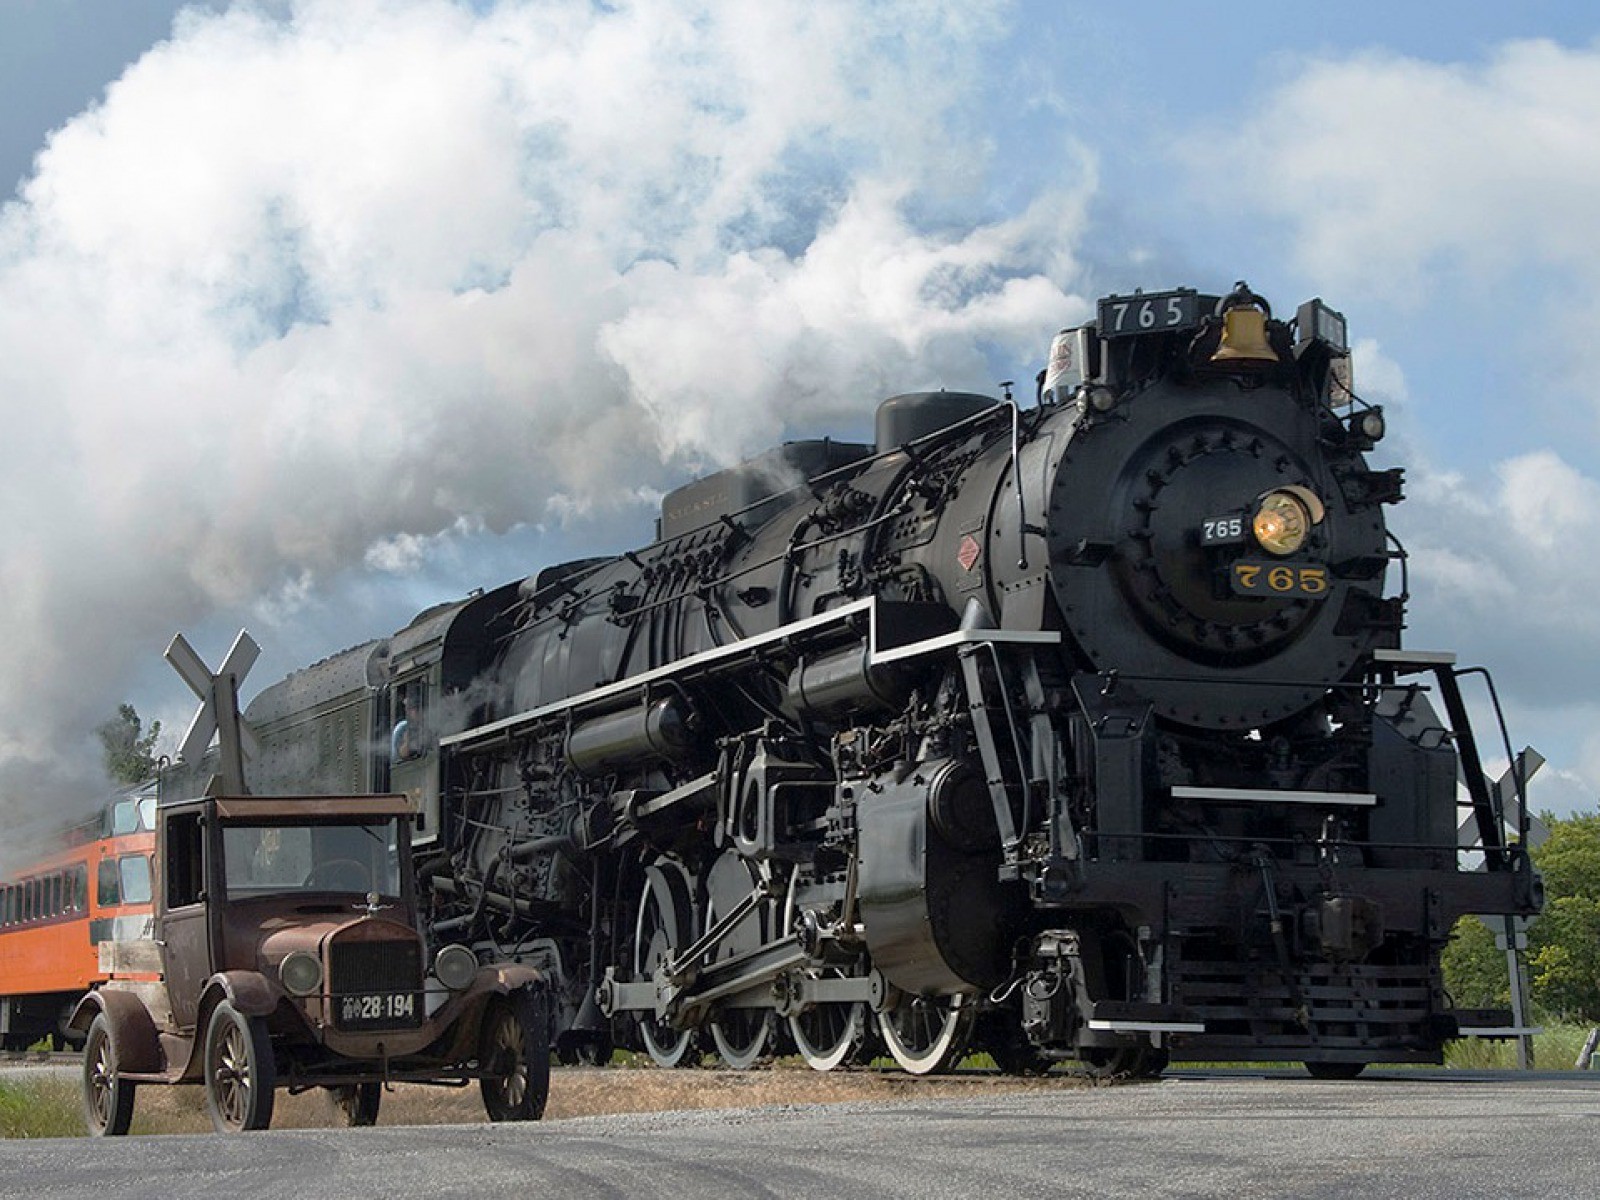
[[247, 991], [133, 1030]]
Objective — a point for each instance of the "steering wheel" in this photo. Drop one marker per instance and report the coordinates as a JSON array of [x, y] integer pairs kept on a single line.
[[339, 875]]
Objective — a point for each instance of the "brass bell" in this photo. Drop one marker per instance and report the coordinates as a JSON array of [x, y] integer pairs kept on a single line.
[[1244, 338]]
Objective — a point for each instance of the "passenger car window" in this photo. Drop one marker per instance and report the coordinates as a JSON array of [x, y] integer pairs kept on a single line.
[[108, 883], [135, 872]]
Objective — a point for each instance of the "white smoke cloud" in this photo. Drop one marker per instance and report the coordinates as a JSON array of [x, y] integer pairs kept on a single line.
[[316, 289]]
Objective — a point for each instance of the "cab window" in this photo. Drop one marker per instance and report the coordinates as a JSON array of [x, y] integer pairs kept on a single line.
[[184, 860], [409, 738]]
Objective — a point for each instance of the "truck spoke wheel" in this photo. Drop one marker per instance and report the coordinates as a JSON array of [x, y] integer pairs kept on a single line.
[[1123, 1062], [107, 1097], [239, 1070], [515, 1059]]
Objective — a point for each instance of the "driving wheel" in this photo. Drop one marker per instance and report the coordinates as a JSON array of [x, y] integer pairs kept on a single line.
[[658, 933], [740, 1034], [826, 1033], [927, 1034]]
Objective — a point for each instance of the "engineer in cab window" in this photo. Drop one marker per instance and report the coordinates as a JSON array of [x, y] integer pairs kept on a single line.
[[406, 742]]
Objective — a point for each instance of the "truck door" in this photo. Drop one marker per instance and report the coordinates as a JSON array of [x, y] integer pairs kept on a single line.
[[183, 930]]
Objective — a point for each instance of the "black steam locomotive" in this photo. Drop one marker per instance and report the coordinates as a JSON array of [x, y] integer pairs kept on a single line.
[[1079, 729]]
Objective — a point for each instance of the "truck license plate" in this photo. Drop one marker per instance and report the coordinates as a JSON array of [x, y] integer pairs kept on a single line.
[[376, 1009]]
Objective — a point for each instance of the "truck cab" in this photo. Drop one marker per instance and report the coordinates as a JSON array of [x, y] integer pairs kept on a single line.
[[287, 954]]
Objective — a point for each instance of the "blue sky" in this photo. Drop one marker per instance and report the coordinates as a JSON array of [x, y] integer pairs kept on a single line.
[[314, 313]]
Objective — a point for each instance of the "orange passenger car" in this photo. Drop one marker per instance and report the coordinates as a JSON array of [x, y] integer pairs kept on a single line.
[[56, 912]]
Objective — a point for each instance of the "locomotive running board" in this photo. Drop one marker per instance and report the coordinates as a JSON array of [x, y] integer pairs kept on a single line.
[[820, 627], [1148, 1026], [1275, 796]]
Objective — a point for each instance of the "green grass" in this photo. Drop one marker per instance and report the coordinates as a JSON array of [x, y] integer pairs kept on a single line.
[[1555, 1049], [40, 1108]]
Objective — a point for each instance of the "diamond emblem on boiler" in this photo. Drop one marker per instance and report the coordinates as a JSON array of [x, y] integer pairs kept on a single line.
[[968, 552]]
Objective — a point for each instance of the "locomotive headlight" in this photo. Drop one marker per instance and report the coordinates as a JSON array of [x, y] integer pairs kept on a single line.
[[1284, 519], [301, 973], [456, 967]]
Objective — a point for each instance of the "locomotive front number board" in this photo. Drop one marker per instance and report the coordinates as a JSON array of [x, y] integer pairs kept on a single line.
[[1153, 312]]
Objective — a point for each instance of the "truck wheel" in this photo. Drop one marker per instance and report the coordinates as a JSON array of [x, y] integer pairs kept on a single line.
[[357, 1103], [107, 1097], [514, 1056], [240, 1072]]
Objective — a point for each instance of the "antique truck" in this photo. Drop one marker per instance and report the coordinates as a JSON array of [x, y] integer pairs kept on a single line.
[[287, 954]]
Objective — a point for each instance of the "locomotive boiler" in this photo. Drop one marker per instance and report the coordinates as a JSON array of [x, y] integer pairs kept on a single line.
[[1079, 729]]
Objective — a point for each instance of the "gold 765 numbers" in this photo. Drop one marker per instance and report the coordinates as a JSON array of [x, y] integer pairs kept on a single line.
[[1279, 579]]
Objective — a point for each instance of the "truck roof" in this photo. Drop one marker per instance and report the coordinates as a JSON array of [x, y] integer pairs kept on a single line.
[[300, 807]]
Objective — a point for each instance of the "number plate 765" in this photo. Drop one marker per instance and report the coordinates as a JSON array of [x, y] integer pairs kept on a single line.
[[1279, 579]]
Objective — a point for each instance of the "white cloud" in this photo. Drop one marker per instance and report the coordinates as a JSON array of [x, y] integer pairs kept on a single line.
[[1505, 568], [306, 291], [1393, 170], [1379, 379], [1457, 200]]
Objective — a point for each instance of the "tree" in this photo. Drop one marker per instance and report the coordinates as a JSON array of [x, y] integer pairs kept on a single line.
[[129, 751], [1563, 954]]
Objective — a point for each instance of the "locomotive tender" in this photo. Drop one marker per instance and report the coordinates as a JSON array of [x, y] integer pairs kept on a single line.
[[1080, 730]]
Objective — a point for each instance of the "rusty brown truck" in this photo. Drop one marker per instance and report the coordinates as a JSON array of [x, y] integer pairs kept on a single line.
[[286, 954]]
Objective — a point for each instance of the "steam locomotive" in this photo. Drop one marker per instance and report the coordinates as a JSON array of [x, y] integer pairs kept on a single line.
[[1078, 729]]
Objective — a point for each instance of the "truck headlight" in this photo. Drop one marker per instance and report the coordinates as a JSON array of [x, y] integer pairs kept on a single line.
[[301, 973], [456, 967]]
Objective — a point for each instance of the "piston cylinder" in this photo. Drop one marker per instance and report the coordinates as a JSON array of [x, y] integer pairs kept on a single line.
[[659, 730], [842, 681]]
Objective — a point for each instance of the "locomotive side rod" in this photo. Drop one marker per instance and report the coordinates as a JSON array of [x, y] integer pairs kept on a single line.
[[731, 976]]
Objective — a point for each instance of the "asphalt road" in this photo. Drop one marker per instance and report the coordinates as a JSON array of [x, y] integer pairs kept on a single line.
[[1212, 1135]]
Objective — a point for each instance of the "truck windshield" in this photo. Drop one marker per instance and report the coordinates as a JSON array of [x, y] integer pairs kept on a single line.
[[356, 858]]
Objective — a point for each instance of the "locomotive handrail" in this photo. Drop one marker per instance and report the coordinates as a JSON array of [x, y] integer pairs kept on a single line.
[[1518, 780], [1335, 685], [1442, 848], [483, 736]]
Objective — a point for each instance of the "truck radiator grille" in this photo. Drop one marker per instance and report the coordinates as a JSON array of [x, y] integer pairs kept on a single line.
[[375, 985]]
